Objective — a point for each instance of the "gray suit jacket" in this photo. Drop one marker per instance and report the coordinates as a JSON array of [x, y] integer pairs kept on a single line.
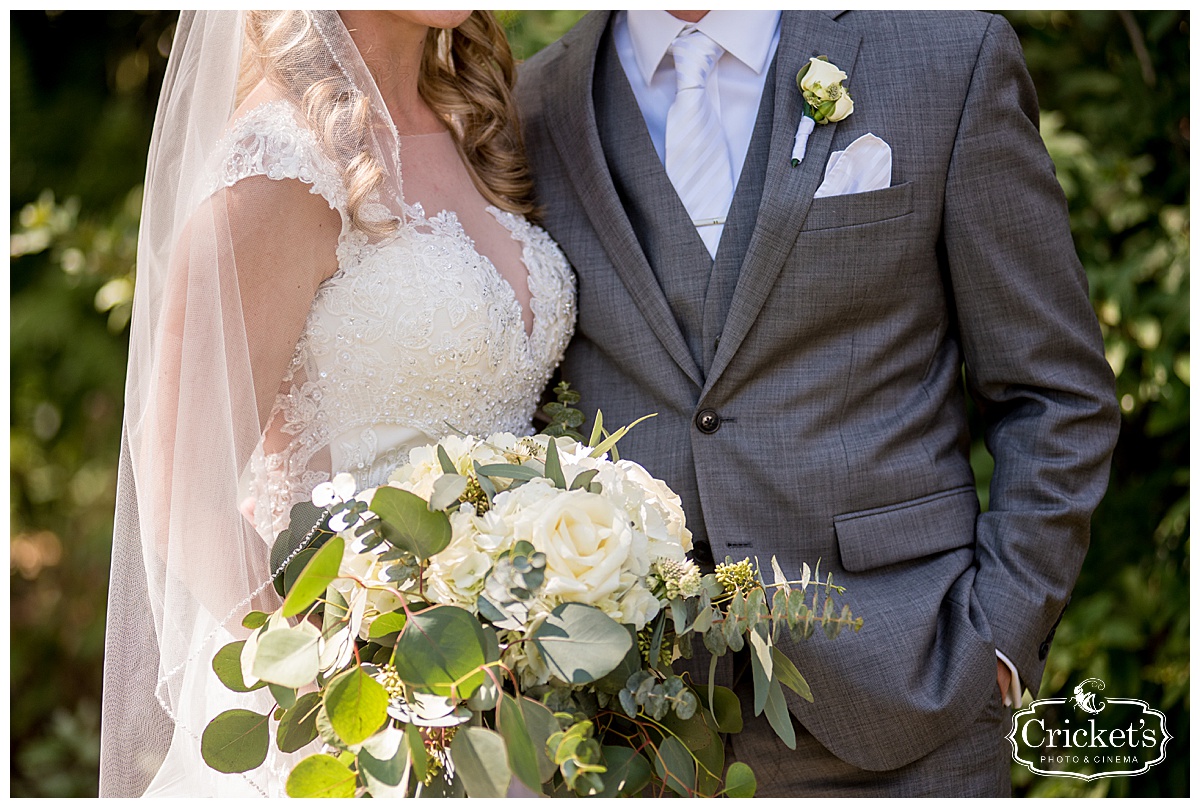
[[811, 390]]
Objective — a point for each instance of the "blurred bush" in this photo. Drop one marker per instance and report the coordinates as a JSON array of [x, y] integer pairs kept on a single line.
[[83, 86], [1114, 90]]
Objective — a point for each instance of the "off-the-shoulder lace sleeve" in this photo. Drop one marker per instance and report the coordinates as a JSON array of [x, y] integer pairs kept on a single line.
[[270, 141]]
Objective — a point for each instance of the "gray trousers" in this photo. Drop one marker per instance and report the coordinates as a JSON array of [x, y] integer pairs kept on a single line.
[[974, 763]]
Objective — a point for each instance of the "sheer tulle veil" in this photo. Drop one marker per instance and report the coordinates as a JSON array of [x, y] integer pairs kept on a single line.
[[205, 354]]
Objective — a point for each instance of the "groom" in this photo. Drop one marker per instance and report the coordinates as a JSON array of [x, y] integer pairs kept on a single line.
[[804, 342]]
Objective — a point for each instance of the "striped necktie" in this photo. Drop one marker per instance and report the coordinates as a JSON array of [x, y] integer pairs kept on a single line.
[[697, 155]]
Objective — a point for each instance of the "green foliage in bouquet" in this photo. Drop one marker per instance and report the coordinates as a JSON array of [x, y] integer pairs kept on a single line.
[[506, 611]]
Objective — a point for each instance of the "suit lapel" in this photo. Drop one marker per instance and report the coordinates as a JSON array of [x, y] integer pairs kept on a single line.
[[787, 191], [573, 127]]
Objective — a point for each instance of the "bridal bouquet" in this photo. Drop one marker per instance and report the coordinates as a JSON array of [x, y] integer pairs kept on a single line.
[[507, 609]]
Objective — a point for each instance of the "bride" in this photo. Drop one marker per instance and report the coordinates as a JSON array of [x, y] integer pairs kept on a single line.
[[335, 264]]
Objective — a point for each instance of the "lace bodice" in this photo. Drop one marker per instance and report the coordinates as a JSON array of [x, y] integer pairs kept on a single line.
[[415, 336]]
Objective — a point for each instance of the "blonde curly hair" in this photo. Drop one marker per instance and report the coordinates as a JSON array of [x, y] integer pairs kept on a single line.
[[467, 76]]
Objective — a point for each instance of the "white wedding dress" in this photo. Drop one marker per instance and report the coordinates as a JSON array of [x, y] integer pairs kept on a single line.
[[417, 335], [414, 337]]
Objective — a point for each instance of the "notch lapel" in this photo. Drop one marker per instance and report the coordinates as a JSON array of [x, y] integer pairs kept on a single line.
[[573, 128], [787, 191]]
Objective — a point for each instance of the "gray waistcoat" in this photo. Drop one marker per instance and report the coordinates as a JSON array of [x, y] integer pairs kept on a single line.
[[697, 288]]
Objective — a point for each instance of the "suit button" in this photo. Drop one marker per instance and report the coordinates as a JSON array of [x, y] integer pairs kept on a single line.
[[708, 422], [1043, 651]]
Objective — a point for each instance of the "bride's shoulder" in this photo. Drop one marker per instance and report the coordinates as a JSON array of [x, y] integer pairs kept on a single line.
[[267, 136]]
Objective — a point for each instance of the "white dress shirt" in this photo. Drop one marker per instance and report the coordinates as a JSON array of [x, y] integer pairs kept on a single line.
[[735, 86]]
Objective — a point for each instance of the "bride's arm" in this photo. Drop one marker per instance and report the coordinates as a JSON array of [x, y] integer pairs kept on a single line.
[[242, 280]]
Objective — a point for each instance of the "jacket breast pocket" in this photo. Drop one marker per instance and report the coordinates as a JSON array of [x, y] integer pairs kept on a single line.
[[920, 527], [848, 210]]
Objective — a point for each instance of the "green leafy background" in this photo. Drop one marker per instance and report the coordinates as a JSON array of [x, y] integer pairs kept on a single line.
[[1113, 87]]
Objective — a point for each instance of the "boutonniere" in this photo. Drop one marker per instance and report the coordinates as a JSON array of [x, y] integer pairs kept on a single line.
[[825, 100]]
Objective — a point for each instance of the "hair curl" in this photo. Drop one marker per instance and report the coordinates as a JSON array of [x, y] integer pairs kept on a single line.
[[467, 76]]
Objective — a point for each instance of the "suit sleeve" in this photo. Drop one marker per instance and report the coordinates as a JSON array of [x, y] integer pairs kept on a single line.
[[1033, 353]]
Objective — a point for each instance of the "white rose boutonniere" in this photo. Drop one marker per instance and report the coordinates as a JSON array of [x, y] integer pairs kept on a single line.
[[826, 100]]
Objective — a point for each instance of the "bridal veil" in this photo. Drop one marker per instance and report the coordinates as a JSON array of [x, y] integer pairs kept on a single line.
[[212, 335]]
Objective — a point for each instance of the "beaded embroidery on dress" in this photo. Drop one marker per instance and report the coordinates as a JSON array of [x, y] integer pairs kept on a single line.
[[413, 337]]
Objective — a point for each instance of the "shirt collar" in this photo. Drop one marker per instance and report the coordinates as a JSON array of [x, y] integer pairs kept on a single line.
[[745, 34]]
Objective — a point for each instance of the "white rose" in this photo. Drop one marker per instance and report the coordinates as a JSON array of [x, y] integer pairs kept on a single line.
[[456, 574], [843, 107], [660, 514], [458, 579], [820, 77], [586, 539], [637, 607]]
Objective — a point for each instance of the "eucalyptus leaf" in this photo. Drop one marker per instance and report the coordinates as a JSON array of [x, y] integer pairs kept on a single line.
[[712, 674], [553, 467], [328, 733], [444, 460], [285, 697], [227, 664], [675, 766], [254, 619], [416, 751], [787, 675], [298, 726], [777, 571], [695, 734], [408, 523], [387, 623], [628, 703], [778, 716], [292, 571], [321, 776], [485, 696], [235, 741], [510, 471], [382, 762], [288, 656], [580, 643], [446, 491], [762, 677], [481, 762], [756, 607], [702, 741], [541, 723], [614, 680], [779, 610], [336, 612], [679, 615], [726, 710], [584, 478], [656, 641], [442, 649], [357, 705], [740, 781], [304, 517], [627, 772], [315, 578], [731, 631], [522, 754]]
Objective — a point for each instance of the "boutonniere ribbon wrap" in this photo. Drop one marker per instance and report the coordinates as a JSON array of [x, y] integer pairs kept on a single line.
[[826, 100]]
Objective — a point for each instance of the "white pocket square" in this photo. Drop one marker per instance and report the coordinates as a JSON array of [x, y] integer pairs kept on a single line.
[[864, 165]]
